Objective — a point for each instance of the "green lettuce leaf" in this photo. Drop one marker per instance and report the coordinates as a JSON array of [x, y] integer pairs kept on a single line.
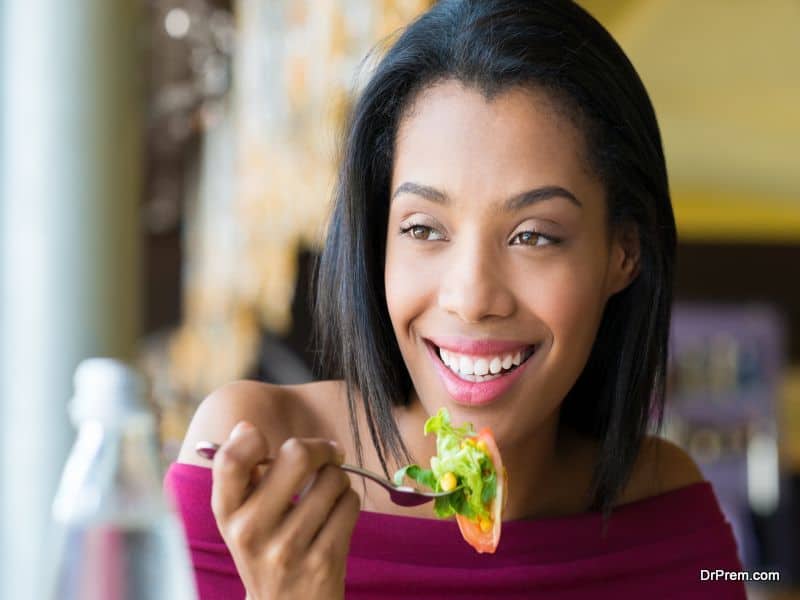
[[472, 468], [418, 474]]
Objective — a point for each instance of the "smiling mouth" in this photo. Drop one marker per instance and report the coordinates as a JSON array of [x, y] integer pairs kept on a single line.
[[477, 369]]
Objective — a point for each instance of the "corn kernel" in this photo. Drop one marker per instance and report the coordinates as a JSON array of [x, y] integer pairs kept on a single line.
[[481, 445], [448, 481], [485, 524]]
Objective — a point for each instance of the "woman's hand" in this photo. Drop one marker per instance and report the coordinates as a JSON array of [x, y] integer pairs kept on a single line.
[[284, 551]]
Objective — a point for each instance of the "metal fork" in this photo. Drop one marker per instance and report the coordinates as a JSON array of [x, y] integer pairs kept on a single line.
[[401, 495]]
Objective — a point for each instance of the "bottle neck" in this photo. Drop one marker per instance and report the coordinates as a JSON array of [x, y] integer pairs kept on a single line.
[[113, 473]]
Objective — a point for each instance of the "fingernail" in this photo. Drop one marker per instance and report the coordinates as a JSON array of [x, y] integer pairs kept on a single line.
[[241, 427]]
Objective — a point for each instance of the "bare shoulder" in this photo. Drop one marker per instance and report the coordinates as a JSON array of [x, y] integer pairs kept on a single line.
[[280, 412], [661, 466]]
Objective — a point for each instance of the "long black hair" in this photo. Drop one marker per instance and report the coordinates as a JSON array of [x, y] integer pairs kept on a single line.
[[495, 45]]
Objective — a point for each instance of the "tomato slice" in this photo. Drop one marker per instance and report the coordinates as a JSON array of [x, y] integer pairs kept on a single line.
[[487, 541]]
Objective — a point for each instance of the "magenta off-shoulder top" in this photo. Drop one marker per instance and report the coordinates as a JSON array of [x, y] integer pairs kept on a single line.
[[654, 548]]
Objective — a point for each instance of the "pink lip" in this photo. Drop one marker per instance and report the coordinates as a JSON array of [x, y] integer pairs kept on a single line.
[[471, 393], [463, 345]]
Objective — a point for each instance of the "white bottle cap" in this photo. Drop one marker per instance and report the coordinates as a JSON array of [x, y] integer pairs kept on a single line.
[[107, 390]]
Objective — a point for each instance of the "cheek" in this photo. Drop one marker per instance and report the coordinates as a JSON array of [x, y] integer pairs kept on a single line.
[[569, 302], [408, 287]]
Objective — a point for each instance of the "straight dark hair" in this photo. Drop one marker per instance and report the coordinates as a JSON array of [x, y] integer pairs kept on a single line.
[[492, 46]]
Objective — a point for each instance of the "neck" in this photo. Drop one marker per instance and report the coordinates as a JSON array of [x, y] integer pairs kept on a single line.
[[548, 474]]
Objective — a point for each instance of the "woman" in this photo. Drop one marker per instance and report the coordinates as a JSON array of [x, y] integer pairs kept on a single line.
[[502, 197]]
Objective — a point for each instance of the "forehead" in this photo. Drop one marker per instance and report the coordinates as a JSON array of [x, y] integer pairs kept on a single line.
[[453, 136]]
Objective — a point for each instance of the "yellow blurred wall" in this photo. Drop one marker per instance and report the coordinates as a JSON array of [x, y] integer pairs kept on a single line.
[[724, 77]]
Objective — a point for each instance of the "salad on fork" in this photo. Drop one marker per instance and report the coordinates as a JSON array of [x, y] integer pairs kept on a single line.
[[470, 460]]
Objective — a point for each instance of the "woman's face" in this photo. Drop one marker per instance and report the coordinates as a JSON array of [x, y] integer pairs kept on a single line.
[[497, 252]]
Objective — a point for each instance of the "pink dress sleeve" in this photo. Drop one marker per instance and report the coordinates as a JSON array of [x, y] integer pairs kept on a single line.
[[215, 571]]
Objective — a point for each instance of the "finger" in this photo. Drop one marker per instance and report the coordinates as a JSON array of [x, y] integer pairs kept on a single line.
[[304, 522], [297, 460], [233, 467], [334, 537]]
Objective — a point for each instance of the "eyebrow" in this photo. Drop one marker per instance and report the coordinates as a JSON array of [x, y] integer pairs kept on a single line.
[[514, 203]]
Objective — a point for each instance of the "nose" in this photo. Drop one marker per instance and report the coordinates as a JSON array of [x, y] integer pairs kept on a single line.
[[474, 285]]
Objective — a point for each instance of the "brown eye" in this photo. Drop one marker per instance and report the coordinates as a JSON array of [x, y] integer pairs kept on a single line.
[[529, 237], [422, 233], [532, 238]]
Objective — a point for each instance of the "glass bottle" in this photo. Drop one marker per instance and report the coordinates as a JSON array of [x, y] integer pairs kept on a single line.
[[115, 535]]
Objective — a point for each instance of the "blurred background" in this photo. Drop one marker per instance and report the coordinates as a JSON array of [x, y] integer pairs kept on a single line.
[[166, 168]]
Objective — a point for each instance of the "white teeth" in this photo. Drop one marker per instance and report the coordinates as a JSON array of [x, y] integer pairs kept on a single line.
[[465, 366], [481, 366], [449, 360]]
